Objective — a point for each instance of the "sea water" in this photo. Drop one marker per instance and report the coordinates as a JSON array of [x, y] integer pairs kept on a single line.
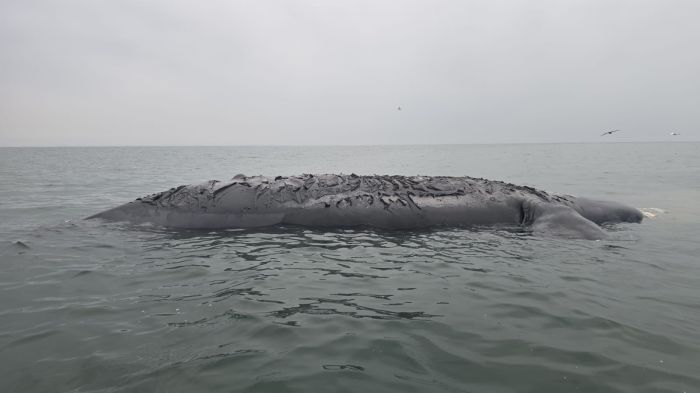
[[90, 306]]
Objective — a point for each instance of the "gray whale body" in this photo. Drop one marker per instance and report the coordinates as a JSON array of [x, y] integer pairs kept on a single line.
[[388, 202]]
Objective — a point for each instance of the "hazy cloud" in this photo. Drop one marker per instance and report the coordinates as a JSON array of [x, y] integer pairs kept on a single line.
[[333, 72]]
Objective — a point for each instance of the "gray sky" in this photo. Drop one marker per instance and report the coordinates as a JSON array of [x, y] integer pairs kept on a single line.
[[334, 72]]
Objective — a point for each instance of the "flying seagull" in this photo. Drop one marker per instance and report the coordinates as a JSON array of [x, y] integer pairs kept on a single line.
[[609, 132], [398, 109], [675, 133]]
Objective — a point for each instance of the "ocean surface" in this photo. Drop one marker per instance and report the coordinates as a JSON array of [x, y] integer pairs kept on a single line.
[[90, 306]]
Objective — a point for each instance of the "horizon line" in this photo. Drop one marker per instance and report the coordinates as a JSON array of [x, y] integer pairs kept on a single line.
[[355, 145]]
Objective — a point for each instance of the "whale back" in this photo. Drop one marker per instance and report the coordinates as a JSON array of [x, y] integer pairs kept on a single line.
[[330, 201], [392, 202]]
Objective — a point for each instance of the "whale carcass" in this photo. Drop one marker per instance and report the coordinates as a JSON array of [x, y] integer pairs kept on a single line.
[[389, 202]]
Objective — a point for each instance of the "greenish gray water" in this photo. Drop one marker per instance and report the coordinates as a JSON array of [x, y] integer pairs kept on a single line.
[[90, 306]]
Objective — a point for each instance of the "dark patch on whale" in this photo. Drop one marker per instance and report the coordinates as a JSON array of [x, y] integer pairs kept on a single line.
[[387, 202]]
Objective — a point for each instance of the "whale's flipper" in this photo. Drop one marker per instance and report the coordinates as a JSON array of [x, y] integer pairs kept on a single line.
[[564, 221]]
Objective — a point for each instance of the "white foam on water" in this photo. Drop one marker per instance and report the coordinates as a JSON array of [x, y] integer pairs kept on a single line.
[[652, 212]]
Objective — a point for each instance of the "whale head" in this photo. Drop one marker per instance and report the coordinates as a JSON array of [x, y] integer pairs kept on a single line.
[[602, 212]]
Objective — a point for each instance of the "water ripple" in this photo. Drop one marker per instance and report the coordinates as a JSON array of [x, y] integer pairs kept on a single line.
[[301, 310]]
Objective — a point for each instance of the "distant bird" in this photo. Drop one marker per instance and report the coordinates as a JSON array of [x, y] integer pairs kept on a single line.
[[675, 133], [398, 109], [609, 132]]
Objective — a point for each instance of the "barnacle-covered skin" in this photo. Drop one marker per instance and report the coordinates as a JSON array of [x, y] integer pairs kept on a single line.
[[390, 202]]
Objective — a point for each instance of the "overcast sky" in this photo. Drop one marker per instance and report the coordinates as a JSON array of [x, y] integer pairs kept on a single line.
[[334, 72]]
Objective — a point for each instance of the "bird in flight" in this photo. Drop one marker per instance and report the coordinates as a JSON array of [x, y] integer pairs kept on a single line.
[[675, 133], [609, 132], [398, 108]]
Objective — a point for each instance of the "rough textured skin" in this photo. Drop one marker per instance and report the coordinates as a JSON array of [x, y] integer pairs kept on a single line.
[[391, 202]]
